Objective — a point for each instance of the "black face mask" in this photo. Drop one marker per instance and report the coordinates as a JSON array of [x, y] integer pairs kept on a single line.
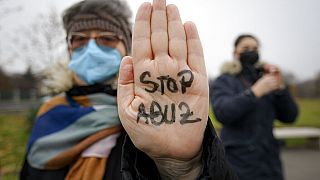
[[249, 57]]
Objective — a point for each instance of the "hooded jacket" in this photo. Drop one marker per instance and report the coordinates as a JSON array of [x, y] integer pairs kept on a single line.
[[247, 136], [125, 160]]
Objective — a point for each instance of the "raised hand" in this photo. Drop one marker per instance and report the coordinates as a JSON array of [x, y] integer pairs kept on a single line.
[[265, 85], [274, 70], [163, 88]]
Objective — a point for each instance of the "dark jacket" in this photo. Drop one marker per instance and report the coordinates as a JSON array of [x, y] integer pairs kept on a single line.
[[127, 162], [247, 136]]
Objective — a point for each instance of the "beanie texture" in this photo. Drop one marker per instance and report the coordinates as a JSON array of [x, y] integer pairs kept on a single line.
[[105, 15]]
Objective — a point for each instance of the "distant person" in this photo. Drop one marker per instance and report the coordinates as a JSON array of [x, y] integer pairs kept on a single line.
[[247, 98], [126, 117]]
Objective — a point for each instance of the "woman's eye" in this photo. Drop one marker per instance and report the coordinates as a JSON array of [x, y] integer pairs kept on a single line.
[[244, 49], [107, 38], [79, 38]]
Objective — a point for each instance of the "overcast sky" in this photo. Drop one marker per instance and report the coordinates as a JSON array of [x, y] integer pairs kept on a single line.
[[289, 30]]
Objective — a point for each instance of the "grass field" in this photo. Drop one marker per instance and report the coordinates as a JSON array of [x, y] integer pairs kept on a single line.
[[309, 115], [13, 138], [14, 132]]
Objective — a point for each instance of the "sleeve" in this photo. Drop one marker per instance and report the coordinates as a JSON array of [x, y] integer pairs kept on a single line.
[[215, 165], [286, 108], [29, 173], [230, 106]]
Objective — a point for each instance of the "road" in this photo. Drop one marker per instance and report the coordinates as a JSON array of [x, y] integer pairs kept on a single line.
[[301, 164]]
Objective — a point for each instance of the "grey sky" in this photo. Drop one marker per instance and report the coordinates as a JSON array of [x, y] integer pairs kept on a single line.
[[288, 29]]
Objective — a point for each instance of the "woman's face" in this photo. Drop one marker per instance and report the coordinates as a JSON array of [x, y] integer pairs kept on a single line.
[[246, 44], [105, 38], [119, 45]]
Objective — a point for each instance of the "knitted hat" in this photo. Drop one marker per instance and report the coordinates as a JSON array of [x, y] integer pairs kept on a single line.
[[105, 15]]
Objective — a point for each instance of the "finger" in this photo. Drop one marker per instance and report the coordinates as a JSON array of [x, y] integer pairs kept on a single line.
[[177, 35], [125, 82], [273, 83], [269, 79], [141, 45], [273, 69], [195, 58], [159, 34]]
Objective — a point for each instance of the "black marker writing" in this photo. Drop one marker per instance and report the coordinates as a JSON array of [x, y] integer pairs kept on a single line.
[[183, 82], [158, 117], [155, 85], [173, 114], [169, 83], [187, 114], [155, 113], [142, 113]]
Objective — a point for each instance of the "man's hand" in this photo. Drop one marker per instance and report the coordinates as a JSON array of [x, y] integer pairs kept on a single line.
[[163, 88]]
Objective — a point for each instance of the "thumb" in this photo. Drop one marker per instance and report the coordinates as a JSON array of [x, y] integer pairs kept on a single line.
[[126, 82]]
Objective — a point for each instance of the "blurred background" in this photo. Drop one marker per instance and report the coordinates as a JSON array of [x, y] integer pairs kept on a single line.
[[32, 38]]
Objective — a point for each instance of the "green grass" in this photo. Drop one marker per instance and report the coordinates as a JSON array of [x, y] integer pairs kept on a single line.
[[309, 116], [13, 138], [309, 113]]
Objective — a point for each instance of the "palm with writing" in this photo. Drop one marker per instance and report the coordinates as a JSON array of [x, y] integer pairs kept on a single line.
[[163, 87]]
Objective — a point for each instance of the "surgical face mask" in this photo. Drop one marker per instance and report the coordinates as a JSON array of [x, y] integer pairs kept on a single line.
[[249, 57], [94, 63]]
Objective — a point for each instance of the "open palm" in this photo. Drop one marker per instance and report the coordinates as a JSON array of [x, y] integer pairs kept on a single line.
[[163, 87]]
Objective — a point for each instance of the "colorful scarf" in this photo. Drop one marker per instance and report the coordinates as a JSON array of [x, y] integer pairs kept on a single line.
[[75, 130]]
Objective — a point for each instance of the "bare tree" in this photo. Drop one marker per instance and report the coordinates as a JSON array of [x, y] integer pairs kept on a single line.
[[6, 9], [289, 78], [41, 43], [310, 88], [317, 85], [44, 41]]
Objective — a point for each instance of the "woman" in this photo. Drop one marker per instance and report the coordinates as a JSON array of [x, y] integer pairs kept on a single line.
[[246, 98], [78, 134]]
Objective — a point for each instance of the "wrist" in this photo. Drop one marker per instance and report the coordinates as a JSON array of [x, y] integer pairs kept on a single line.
[[174, 169], [256, 92], [282, 86], [249, 93], [281, 91]]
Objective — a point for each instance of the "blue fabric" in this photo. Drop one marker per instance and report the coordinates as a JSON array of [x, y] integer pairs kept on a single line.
[[62, 127], [55, 120], [94, 63]]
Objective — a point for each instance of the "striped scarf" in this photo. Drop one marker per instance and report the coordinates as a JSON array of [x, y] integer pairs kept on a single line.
[[75, 130]]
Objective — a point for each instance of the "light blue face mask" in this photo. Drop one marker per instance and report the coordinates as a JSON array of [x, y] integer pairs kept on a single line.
[[94, 63]]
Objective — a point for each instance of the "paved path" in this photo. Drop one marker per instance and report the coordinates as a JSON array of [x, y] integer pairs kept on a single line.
[[22, 106], [301, 164]]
